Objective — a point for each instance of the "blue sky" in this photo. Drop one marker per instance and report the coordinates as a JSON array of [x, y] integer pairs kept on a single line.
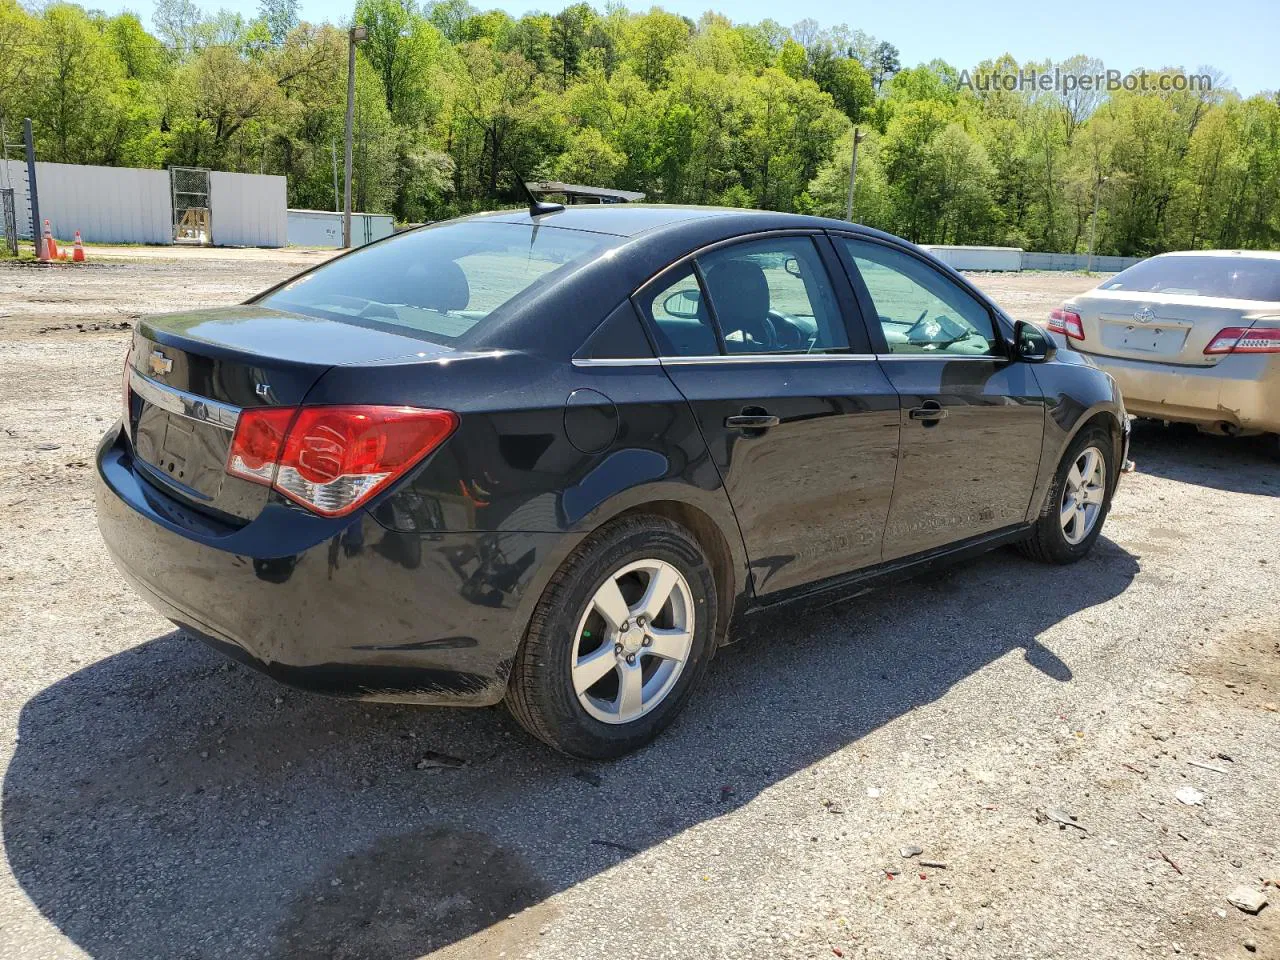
[[1237, 37]]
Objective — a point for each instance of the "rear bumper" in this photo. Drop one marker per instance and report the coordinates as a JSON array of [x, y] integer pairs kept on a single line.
[[344, 607], [1240, 390]]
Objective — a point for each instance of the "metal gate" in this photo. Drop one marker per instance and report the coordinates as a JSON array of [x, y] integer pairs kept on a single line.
[[9, 222], [191, 217]]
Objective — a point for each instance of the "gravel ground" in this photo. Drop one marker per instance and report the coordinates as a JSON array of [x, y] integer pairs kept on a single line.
[[160, 801]]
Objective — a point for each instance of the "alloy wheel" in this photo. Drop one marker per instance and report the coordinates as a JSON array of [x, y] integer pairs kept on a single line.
[[1083, 495], [633, 641]]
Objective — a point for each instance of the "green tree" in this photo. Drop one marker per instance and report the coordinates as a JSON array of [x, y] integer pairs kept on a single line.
[[76, 93], [18, 50], [568, 40], [280, 16], [589, 159], [402, 47], [451, 17], [652, 41]]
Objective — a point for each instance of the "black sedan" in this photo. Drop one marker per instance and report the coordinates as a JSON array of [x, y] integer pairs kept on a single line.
[[554, 457]]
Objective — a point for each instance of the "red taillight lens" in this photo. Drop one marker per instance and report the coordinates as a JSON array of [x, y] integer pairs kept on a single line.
[[333, 459], [255, 449], [1066, 322], [1245, 340]]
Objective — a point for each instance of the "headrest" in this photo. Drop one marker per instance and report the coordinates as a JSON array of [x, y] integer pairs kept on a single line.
[[740, 295], [445, 287]]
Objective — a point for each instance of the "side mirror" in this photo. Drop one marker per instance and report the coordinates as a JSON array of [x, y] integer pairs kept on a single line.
[[1031, 344], [686, 304]]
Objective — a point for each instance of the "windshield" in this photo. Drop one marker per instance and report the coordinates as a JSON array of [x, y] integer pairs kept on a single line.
[[441, 282], [1239, 278]]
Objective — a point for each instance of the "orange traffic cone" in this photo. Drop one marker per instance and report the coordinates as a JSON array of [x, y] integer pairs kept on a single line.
[[78, 255], [50, 242], [44, 244]]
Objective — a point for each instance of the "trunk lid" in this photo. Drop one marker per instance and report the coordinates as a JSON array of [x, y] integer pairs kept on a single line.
[[1158, 327], [191, 373]]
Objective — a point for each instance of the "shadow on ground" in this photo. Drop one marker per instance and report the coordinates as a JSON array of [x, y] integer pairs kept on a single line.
[[1180, 452], [165, 802]]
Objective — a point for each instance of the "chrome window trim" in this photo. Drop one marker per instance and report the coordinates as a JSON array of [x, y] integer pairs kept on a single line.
[[764, 358], [183, 404], [774, 358], [616, 362], [988, 358]]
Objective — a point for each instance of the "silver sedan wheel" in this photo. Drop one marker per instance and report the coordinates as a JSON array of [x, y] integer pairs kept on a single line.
[[1083, 495], [633, 641]]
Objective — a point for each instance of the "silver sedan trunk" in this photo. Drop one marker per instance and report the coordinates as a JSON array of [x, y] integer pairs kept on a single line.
[[1191, 337]]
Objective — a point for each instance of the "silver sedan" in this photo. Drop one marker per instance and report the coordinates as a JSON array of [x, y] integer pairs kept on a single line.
[[1189, 337]]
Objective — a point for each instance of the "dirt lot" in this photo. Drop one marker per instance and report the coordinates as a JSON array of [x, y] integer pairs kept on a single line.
[[159, 801]]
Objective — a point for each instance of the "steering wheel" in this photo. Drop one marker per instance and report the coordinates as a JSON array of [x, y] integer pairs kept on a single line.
[[786, 334], [770, 337]]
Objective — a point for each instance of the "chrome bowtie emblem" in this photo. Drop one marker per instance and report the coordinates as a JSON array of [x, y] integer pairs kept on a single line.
[[159, 363], [1144, 315]]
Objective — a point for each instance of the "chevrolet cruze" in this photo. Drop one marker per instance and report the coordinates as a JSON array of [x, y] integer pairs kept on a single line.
[[554, 457]]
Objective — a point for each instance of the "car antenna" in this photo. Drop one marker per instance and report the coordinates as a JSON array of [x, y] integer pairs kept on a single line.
[[536, 206]]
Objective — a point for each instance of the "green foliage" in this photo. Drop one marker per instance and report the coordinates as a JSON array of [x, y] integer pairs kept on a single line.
[[279, 17], [403, 47], [74, 85], [590, 159], [452, 102]]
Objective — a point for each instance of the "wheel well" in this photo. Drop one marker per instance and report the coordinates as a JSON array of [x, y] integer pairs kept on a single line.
[[710, 538], [1108, 421]]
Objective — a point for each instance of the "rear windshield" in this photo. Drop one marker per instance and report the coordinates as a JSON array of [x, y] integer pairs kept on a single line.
[[441, 282], [1239, 278]]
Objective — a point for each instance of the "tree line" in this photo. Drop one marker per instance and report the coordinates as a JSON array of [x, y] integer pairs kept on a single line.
[[450, 100]]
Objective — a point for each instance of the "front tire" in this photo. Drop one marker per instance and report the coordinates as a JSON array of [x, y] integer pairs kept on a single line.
[[1078, 500], [618, 641]]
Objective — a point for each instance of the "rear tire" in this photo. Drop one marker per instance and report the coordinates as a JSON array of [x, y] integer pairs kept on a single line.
[[592, 690], [1078, 501]]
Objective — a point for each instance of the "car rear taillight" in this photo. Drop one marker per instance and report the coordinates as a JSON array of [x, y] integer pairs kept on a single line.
[[333, 459], [1245, 340], [256, 446], [1066, 322]]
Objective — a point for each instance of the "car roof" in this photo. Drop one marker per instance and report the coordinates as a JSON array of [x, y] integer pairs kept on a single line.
[[1248, 254], [633, 219]]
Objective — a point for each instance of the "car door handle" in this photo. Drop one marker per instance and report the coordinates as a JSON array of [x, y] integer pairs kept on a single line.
[[751, 421], [930, 412]]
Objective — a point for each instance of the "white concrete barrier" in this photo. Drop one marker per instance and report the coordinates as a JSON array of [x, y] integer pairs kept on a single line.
[[106, 204], [323, 228], [977, 258], [248, 210], [1076, 261]]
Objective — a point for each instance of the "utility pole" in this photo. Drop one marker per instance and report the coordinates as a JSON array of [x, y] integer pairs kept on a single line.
[[853, 172], [32, 194], [354, 36], [337, 204], [1093, 225]]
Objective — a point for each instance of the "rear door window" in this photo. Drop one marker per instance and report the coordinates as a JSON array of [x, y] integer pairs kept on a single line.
[[773, 296], [681, 323], [441, 282]]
